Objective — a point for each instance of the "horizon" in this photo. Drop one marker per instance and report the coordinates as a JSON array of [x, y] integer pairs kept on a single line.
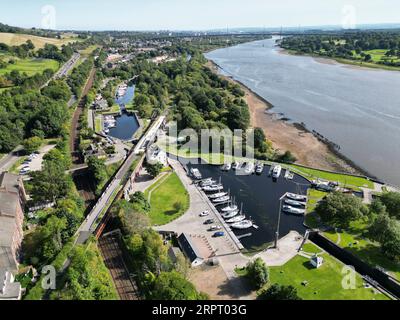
[[178, 15]]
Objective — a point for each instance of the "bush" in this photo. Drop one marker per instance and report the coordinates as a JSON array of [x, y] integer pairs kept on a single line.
[[258, 273], [278, 292]]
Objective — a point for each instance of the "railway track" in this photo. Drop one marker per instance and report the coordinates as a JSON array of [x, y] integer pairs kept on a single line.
[[113, 259]]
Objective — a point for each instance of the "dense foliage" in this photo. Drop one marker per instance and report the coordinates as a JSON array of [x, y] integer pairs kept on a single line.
[[258, 273], [278, 292]]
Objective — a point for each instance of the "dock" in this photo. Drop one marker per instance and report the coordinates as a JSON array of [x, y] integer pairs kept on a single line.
[[221, 220]]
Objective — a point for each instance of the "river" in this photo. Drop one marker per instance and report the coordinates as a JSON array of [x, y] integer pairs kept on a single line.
[[357, 108]]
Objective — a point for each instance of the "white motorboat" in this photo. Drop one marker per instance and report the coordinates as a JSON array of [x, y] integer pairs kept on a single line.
[[245, 224], [289, 175], [196, 173], [230, 215], [295, 203], [276, 173], [222, 199], [292, 210], [236, 219], [249, 169], [226, 167], [235, 165], [218, 195], [207, 182], [297, 197], [259, 168], [229, 208], [213, 188]]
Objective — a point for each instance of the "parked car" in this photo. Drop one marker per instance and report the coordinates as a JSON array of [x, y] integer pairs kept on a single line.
[[209, 221], [218, 234], [205, 213], [215, 228]]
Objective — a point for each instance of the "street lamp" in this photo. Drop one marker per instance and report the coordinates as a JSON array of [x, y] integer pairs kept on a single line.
[[279, 220]]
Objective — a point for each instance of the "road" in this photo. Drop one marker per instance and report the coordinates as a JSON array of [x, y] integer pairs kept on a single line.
[[8, 161], [63, 71]]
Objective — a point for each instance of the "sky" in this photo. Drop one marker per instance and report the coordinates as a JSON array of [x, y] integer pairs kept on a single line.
[[194, 14]]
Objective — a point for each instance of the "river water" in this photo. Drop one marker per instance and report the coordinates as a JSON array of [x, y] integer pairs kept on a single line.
[[357, 108]]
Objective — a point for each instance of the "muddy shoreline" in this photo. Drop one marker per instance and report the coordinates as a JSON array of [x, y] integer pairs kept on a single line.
[[310, 148]]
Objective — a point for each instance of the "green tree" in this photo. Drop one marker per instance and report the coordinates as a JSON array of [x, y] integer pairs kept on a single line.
[[32, 144], [98, 171], [280, 293], [386, 231], [391, 200], [154, 169], [338, 209], [258, 273], [173, 286]]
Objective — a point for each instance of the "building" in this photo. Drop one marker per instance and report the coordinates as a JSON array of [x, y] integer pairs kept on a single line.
[[155, 155], [12, 201], [9, 290], [316, 261], [190, 250]]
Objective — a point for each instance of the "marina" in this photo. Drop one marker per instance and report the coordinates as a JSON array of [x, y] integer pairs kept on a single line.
[[259, 196]]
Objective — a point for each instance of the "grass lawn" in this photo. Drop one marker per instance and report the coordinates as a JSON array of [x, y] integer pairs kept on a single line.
[[113, 110], [368, 251], [30, 66], [15, 39], [314, 196], [345, 180], [98, 124], [324, 283], [168, 199]]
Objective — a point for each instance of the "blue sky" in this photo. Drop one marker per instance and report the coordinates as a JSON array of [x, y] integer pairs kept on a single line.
[[196, 15]]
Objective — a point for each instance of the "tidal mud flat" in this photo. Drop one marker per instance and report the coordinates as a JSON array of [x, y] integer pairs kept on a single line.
[[306, 147]]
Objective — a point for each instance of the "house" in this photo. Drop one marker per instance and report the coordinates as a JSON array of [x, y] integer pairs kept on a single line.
[[12, 201], [317, 261], [190, 250], [9, 290]]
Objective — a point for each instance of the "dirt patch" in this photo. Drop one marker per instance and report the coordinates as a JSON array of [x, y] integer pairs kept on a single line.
[[308, 150], [214, 282]]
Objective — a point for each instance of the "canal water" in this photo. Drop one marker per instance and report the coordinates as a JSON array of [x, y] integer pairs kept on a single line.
[[356, 108], [260, 197], [127, 123]]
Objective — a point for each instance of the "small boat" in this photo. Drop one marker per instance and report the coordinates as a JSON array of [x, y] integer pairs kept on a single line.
[[218, 195], [235, 165], [207, 182], [106, 130], [246, 224], [236, 219], [292, 210], [230, 215], [226, 167], [196, 173], [289, 175], [222, 199], [276, 173], [213, 188], [297, 197], [229, 208], [294, 203], [249, 169], [259, 168]]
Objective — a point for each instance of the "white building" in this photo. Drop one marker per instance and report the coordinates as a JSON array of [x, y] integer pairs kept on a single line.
[[9, 290], [317, 261]]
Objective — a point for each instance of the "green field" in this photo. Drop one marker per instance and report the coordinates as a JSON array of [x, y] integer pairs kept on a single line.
[[15, 39], [30, 66], [324, 283], [168, 199], [343, 179]]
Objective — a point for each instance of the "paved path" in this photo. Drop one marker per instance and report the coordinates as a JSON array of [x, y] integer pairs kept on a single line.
[[10, 159]]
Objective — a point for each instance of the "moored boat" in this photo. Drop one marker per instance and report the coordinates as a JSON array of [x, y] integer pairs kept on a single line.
[[297, 197], [276, 173], [236, 219], [292, 210], [294, 203], [246, 224], [222, 199], [218, 195], [213, 188], [231, 207], [196, 173], [230, 215]]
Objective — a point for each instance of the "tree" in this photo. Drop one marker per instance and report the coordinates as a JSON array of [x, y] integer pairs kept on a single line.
[[98, 171], [386, 231], [32, 144], [280, 292], [338, 209], [154, 169], [258, 273], [173, 286], [391, 200], [287, 157]]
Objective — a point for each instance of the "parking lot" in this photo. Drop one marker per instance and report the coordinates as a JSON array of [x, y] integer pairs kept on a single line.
[[34, 161]]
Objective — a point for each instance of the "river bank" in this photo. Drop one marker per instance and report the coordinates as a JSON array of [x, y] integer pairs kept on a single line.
[[306, 147]]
